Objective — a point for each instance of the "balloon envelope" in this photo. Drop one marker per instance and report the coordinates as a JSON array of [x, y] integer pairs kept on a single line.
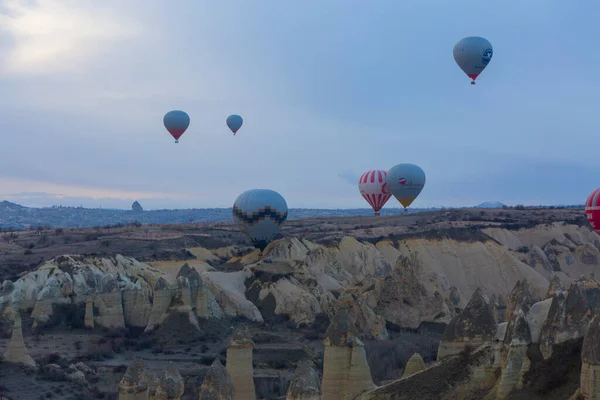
[[176, 122], [261, 212], [592, 210], [473, 54], [373, 188], [234, 122], [405, 182]]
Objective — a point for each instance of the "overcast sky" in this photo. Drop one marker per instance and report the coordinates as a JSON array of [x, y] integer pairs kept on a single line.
[[328, 89]]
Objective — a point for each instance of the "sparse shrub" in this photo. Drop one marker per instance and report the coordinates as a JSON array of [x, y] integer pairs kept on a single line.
[[523, 249], [27, 252]]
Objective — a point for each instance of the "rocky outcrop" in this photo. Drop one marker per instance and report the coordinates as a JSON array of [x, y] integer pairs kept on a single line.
[[16, 352], [556, 286], [170, 384], [415, 364], [134, 384], [474, 326], [590, 358], [570, 314], [217, 384], [305, 384], [346, 373], [405, 301], [239, 364]]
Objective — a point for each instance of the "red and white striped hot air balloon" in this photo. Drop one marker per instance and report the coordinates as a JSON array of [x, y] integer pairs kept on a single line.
[[592, 210], [373, 188]]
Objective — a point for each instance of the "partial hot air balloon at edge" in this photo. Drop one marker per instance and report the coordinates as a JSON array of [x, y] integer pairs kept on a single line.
[[405, 181], [176, 122], [592, 210], [473, 54], [261, 212], [234, 122], [373, 188]]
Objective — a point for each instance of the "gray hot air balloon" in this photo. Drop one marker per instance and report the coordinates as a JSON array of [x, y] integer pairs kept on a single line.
[[405, 182], [473, 54], [260, 212]]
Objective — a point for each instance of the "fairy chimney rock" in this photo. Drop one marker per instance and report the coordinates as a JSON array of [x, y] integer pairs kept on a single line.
[[474, 326], [346, 373], [217, 384], [170, 384], [134, 384], [239, 364], [16, 352]]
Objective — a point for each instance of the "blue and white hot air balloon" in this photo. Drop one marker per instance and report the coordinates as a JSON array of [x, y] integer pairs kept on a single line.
[[405, 182], [473, 54], [234, 122], [261, 212]]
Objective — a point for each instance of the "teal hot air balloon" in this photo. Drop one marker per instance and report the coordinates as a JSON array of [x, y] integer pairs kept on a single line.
[[234, 122], [176, 122], [261, 212], [405, 182]]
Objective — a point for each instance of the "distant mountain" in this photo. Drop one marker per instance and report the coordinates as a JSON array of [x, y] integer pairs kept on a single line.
[[490, 204]]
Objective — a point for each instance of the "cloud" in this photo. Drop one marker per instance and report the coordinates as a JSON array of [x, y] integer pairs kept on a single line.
[[50, 36]]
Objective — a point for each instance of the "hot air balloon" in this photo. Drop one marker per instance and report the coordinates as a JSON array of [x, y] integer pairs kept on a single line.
[[592, 210], [405, 182], [234, 122], [260, 212], [176, 122], [373, 188], [473, 54]]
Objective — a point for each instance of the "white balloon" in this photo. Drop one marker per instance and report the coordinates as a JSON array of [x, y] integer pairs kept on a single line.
[[473, 54], [405, 182]]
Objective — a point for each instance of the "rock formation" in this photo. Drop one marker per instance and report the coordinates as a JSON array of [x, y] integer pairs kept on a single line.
[[556, 286], [17, 351], [475, 325], [570, 314], [306, 384], [590, 357], [134, 384], [415, 364], [170, 384], [217, 384], [239, 364], [346, 373]]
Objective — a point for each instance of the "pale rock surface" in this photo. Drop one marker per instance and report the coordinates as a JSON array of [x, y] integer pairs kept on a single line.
[[404, 300], [229, 290], [346, 373], [239, 364], [217, 384], [415, 364], [305, 384], [16, 351]]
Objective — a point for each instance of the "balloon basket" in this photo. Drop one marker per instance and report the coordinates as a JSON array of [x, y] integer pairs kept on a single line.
[[376, 214], [472, 82], [177, 141]]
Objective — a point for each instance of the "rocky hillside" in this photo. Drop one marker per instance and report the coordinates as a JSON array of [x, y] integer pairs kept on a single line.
[[398, 280]]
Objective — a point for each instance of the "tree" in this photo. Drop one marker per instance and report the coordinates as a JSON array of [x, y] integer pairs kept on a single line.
[[136, 206]]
